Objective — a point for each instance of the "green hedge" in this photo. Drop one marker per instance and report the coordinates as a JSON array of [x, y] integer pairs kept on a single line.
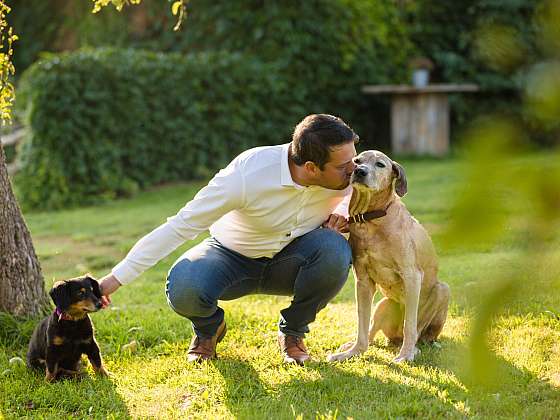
[[106, 122]]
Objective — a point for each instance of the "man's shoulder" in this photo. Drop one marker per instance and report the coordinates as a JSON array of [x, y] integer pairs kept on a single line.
[[260, 157]]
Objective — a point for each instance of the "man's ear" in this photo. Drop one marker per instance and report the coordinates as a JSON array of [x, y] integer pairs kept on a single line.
[[311, 167], [94, 286], [401, 186], [60, 295]]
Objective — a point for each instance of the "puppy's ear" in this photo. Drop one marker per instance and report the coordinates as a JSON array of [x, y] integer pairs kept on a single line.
[[60, 294], [94, 286], [401, 186]]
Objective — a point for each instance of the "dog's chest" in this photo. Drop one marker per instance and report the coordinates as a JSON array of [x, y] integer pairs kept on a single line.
[[377, 263], [73, 336]]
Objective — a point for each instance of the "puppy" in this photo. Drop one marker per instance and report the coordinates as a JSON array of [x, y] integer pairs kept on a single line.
[[60, 339], [394, 254]]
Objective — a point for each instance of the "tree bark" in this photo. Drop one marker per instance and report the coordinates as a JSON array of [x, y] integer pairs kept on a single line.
[[22, 289]]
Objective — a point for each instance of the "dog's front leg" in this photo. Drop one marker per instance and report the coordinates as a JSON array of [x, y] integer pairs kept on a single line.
[[94, 357], [412, 284], [51, 362], [364, 296]]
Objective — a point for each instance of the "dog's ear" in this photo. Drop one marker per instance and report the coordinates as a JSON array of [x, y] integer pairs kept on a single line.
[[60, 294], [401, 186], [94, 286]]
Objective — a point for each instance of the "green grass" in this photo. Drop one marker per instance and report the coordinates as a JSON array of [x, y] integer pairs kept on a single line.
[[248, 380]]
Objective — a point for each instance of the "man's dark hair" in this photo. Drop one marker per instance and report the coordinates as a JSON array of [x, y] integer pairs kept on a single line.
[[314, 137]]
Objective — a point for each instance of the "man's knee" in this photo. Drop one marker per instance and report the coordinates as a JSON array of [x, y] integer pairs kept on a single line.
[[331, 262], [333, 248], [186, 295], [334, 252]]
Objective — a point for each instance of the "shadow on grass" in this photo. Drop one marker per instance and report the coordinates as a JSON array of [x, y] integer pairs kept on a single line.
[[436, 385], [334, 391]]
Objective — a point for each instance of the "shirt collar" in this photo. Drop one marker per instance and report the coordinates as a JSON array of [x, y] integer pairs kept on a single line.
[[286, 176]]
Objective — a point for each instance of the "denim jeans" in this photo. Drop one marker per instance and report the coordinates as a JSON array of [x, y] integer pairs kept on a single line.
[[312, 268]]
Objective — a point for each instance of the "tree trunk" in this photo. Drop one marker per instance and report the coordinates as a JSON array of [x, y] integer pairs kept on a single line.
[[22, 289]]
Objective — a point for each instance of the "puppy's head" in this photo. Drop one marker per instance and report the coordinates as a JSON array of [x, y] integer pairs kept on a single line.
[[77, 296], [378, 172]]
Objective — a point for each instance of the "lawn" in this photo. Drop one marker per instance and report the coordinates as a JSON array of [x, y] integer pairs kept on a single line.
[[248, 380]]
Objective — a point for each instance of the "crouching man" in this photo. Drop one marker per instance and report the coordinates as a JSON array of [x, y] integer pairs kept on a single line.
[[274, 229]]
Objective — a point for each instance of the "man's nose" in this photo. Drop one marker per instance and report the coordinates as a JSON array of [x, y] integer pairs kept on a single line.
[[360, 171]]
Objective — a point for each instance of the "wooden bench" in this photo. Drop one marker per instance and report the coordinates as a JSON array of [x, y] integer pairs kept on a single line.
[[419, 116]]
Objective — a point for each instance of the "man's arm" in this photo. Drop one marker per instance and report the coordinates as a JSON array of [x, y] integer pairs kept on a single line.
[[223, 193], [339, 219]]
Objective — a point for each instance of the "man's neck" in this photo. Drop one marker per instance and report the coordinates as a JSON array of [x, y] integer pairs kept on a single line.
[[298, 173]]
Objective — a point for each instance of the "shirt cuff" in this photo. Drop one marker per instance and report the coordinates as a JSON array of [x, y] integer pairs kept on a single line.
[[124, 272]]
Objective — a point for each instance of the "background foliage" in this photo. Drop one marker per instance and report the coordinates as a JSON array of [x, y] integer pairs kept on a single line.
[[139, 119], [252, 71], [317, 55]]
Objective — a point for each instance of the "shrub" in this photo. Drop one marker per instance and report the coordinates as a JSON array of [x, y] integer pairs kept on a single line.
[[105, 122]]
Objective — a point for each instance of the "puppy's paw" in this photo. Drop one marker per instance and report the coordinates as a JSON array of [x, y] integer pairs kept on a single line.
[[50, 377], [101, 371]]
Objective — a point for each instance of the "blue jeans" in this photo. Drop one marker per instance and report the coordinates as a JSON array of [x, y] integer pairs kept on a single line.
[[312, 268]]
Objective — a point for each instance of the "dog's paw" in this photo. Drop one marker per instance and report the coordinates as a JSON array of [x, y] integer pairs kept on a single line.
[[346, 346], [339, 357], [406, 356]]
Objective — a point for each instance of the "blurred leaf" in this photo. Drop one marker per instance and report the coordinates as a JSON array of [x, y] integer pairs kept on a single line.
[[175, 7], [543, 92], [483, 362], [479, 213], [500, 46]]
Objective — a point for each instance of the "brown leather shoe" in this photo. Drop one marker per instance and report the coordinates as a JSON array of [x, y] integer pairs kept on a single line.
[[205, 348], [292, 348]]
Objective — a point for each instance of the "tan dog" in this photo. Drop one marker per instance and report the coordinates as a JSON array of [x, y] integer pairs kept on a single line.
[[393, 253]]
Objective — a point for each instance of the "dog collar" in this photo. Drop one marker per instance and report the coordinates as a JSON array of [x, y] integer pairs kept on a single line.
[[364, 217], [62, 316], [370, 215]]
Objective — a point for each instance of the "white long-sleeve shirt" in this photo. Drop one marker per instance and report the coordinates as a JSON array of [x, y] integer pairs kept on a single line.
[[253, 206]]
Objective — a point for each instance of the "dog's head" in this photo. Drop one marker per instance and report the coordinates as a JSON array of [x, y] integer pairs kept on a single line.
[[377, 171], [77, 296]]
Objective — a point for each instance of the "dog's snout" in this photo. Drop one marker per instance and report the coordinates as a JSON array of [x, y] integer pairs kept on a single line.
[[98, 305], [360, 172]]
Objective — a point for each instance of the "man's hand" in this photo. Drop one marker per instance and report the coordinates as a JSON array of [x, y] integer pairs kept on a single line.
[[337, 222], [108, 285]]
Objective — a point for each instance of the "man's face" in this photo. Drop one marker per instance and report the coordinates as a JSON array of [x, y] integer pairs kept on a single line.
[[337, 171]]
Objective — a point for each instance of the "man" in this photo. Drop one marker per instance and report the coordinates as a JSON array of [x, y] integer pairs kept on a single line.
[[274, 230]]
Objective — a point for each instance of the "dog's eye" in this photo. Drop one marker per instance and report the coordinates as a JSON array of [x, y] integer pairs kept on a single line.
[[380, 164]]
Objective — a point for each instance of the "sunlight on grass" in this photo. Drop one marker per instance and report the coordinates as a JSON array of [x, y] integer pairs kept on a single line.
[[249, 380]]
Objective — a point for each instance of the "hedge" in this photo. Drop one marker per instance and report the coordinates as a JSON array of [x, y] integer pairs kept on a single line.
[[103, 123], [106, 122]]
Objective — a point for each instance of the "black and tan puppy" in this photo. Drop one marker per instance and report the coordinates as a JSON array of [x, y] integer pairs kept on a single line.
[[60, 339]]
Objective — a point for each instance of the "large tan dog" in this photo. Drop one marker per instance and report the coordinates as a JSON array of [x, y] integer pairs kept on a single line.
[[393, 253]]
